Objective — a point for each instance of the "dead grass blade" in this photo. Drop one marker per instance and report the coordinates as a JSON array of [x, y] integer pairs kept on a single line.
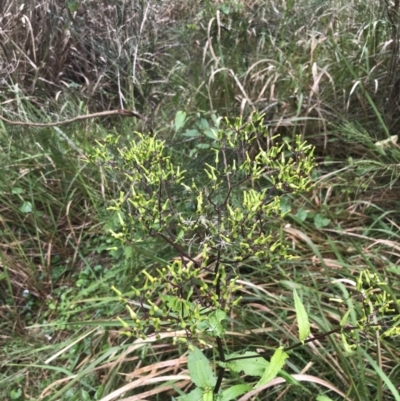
[[300, 378]]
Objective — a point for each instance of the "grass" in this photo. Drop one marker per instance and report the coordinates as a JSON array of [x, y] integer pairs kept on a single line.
[[322, 69]]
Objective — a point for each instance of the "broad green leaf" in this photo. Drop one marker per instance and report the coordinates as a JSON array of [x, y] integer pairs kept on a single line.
[[254, 366], [276, 364], [203, 124], [235, 391], [302, 317], [200, 370], [212, 133], [214, 323], [180, 119], [251, 367]]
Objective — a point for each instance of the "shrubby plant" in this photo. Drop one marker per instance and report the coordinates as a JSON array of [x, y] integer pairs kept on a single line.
[[214, 220]]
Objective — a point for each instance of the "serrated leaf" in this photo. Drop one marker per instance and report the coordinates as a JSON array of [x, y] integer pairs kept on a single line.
[[276, 364], [180, 119], [235, 391], [302, 317], [200, 370]]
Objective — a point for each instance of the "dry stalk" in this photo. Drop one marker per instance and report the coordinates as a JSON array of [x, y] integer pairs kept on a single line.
[[121, 112]]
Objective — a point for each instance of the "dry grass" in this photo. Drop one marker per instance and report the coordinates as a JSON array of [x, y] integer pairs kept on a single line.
[[302, 72]]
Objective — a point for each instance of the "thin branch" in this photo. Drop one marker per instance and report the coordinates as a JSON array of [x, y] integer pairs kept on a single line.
[[121, 112]]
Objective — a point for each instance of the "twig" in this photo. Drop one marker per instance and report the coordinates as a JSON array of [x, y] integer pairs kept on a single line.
[[121, 112]]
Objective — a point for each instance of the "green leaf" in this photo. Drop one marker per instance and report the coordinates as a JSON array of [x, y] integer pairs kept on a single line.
[[15, 394], [302, 317], [254, 366], [128, 252], [214, 323], [344, 318], [349, 349], [225, 8], [17, 191], [72, 6], [202, 145], [212, 133], [235, 391], [99, 392], [250, 367], [302, 215], [180, 119], [323, 398], [26, 207], [191, 133], [208, 394], [285, 205], [276, 364], [200, 370], [84, 396], [320, 221], [194, 395], [203, 124]]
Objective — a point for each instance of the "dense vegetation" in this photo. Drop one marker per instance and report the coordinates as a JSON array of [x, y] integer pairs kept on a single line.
[[324, 70]]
